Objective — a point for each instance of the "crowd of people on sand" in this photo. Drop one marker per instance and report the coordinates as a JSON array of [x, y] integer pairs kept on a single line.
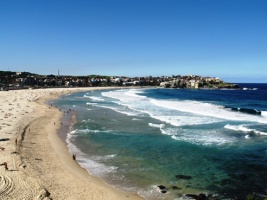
[[65, 112]]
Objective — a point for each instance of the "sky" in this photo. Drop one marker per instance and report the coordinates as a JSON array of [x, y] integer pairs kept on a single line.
[[217, 38]]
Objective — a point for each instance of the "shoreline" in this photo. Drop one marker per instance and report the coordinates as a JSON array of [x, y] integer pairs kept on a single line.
[[40, 165]]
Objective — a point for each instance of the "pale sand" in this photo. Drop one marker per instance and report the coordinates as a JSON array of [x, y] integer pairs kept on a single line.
[[40, 165]]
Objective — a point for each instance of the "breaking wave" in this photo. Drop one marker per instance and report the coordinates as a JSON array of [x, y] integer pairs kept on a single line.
[[244, 128]]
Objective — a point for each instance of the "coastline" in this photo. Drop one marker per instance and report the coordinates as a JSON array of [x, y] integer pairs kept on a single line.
[[40, 165]]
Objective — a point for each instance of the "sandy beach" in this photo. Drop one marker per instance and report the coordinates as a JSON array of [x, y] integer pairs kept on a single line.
[[34, 162]]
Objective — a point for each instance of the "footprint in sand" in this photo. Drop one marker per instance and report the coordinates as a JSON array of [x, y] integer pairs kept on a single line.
[[6, 185]]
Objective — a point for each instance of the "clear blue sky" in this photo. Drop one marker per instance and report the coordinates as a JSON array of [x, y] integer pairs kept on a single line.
[[221, 38]]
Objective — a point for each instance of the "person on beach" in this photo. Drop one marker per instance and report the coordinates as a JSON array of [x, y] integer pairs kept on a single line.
[[5, 164], [74, 157], [16, 142]]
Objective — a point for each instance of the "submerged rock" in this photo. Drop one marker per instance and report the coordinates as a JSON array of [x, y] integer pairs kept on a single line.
[[162, 188], [201, 196], [194, 196], [176, 188], [184, 177]]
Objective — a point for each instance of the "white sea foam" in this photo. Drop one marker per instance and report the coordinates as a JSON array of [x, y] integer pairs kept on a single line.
[[91, 104], [203, 137], [151, 193], [122, 110], [130, 99], [88, 120], [124, 95], [207, 109], [244, 129], [97, 99], [92, 164], [136, 119], [186, 120], [96, 168], [135, 93], [264, 113], [101, 158], [72, 148], [179, 113], [86, 131], [157, 125], [140, 104], [94, 98], [250, 88], [199, 137]]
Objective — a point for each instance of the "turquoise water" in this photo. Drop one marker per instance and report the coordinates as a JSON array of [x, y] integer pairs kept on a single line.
[[195, 140]]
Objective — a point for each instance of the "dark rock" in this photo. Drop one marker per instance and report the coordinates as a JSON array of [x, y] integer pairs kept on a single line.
[[184, 177], [161, 187], [201, 196], [176, 188], [194, 196]]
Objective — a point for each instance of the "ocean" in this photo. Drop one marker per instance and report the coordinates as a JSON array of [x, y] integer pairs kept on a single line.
[[185, 141]]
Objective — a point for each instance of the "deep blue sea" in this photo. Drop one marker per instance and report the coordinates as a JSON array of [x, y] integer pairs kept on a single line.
[[189, 141]]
